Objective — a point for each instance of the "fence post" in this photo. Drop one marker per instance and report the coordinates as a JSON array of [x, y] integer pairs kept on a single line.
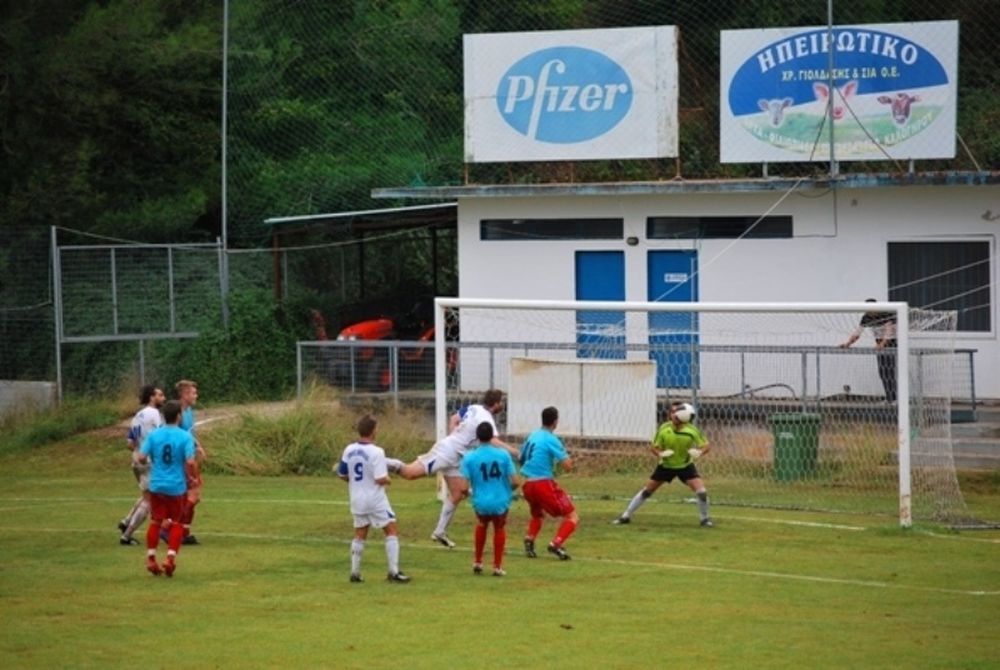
[[57, 307]]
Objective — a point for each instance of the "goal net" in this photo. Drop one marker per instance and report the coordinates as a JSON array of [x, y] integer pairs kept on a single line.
[[794, 419]]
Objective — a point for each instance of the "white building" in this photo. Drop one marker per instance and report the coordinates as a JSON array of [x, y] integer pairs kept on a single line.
[[927, 239]]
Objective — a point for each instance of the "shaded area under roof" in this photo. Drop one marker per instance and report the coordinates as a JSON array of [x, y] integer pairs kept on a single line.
[[682, 186]]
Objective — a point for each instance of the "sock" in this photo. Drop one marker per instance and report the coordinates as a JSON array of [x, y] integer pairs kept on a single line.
[[128, 517], [171, 556], [394, 464], [175, 537], [139, 515], [635, 503], [392, 553], [499, 542], [187, 516], [480, 538], [534, 527], [565, 530], [702, 504], [153, 536], [358, 548], [447, 511]]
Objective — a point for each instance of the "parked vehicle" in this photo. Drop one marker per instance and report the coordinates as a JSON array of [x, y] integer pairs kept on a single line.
[[371, 368]]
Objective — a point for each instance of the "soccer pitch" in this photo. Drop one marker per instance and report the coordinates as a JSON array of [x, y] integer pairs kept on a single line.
[[268, 586]]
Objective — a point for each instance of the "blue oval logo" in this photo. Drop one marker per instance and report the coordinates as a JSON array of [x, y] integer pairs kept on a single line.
[[887, 87], [564, 95]]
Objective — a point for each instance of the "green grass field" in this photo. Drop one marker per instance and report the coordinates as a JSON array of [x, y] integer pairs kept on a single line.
[[268, 586]]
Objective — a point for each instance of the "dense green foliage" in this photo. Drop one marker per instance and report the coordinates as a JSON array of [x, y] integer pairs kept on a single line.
[[111, 117]]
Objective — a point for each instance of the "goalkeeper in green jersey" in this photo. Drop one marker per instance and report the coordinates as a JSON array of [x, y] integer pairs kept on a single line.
[[677, 443]]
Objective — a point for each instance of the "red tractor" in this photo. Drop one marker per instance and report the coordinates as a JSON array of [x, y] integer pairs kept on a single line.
[[370, 368]]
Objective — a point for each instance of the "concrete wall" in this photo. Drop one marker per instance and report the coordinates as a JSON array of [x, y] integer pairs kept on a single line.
[[837, 253], [26, 396]]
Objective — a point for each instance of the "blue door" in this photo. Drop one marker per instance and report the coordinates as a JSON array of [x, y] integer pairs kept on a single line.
[[600, 275], [673, 336]]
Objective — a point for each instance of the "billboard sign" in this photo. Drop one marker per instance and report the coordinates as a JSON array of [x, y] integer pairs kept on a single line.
[[567, 95], [893, 96]]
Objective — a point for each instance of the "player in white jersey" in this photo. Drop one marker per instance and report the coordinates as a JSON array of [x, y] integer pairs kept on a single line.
[[445, 457], [143, 423], [363, 467]]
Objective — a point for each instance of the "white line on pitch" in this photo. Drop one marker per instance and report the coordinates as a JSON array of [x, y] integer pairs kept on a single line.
[[614, 561], [792, 522], [783, 575]]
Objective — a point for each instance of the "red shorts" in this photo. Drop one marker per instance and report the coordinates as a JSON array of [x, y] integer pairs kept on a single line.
[[163, 507], [499, 520], [546, 497]]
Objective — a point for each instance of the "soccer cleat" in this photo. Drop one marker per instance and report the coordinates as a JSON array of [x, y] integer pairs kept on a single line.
[[152, 566], [356, 578], [169, 566], [558, 551], [622, 520], [122, 525], [477, 568], [397, 577], [707, 523], [127, 541], [499, 572], [443, 540], [529, 548], [190, 539]]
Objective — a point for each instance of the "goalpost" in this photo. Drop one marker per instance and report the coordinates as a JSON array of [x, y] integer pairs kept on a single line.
[[795, 420]]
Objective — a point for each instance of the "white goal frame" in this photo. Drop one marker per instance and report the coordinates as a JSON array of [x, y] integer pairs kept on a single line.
[[899, 309]]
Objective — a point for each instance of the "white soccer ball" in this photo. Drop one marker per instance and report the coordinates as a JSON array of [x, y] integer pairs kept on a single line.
[[685, 412]]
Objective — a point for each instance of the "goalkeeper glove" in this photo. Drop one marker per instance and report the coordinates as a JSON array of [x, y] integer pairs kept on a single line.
[[694, 453], [666, 453]]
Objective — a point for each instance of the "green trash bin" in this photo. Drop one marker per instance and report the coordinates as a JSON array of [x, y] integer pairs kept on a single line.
[[796, 445]]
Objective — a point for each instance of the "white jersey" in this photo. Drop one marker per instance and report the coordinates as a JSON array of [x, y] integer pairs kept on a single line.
[[464, 434], [145, 421], [363, 463]]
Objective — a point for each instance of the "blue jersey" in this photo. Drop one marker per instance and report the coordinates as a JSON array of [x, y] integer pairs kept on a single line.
[[489, 470], [187, 420], [168, 447], [539, 454]]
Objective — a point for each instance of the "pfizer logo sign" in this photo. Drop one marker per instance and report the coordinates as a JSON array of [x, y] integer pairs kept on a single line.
[[564, 95]]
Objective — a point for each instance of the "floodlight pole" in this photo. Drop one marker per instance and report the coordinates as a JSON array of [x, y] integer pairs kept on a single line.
[[224, 255]]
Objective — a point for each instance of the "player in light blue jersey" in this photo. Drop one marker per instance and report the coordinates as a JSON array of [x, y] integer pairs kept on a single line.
[[170, 451], [490, 472], [446, 456], [187, 395], [540, 454]]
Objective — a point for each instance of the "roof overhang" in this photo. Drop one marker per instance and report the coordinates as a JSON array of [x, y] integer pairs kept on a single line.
[[415, 216], [684, 186]]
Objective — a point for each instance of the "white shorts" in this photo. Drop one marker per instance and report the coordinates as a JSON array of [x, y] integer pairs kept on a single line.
[[379, 518], [445, 457]]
